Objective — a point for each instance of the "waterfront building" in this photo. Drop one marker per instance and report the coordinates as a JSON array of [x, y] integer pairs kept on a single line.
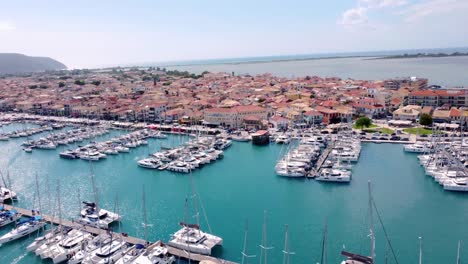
[[409, 112], [234, 116], [411, 83], [437, 98], [313, 117]]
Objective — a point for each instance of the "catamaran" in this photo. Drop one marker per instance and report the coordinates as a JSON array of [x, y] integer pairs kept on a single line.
[[97, 217], [190, 238]]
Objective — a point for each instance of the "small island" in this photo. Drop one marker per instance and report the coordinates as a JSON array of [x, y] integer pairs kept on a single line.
[[422, 55]]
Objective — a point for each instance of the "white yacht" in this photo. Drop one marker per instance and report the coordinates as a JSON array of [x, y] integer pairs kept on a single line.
[[102, 219], [23, 228], [88, 247], [291, 172], [108, 253], [191, 238], [90, 155], [47, 243], [154, 254], [283, 139], [67, 247], [334, 175], [150, 163], [180, 166], [417, 148], [39, 241], [131, 254], [8, 217], [459, 184], [6, 194]]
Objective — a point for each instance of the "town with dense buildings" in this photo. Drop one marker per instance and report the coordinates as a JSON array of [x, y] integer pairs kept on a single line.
[[156, 95]]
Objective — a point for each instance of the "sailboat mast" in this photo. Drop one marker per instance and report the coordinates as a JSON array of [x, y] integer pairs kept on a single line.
[[286, 247], [263, 246], [38, 194], [194, 197], [323, 259], [371, 222], [420, 250], [144, 214], [245, 242], [93, 182], [59, 204], [458, 252]]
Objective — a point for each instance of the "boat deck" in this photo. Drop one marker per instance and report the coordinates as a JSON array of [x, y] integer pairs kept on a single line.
[[196, 257], [129, 239]]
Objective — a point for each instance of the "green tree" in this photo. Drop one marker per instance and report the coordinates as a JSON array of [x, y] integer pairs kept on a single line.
[[363, 122], [79, 82], [61, 84], [425, 120]]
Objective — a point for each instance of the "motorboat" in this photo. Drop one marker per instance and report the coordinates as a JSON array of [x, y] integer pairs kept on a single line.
[[334, 175], [282, 139], [69, 154], [418, 148], [150, 163], [28, 149], [288, 172]]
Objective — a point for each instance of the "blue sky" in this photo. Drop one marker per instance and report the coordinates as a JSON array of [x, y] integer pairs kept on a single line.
[[91, 33]]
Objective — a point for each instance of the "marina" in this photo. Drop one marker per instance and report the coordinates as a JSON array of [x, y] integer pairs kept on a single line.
[[128, 239], [245, 167]]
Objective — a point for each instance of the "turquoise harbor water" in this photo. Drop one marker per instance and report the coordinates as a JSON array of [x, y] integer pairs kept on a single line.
[[241, 186], [448, 71]]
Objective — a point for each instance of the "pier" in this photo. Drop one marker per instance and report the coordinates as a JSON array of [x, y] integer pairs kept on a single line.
[[129, 239], [323, 157]]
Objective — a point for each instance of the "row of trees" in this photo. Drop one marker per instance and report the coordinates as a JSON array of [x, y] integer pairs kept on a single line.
[[362, 122]]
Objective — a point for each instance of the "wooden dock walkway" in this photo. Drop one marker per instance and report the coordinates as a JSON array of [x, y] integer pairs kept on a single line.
[[323, 157], [132, 240]]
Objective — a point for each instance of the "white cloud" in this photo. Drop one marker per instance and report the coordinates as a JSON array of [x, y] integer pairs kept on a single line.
[[354, 16], [6, 26], [358, 15], [382, 3], [433, 7]]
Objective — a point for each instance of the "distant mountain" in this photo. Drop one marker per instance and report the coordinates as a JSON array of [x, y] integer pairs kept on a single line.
[[11, 63]]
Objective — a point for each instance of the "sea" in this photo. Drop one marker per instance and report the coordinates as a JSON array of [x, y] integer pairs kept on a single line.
[[449, 72], [238, 190]]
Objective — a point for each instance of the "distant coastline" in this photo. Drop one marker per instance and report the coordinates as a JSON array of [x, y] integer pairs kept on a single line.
[[421, 55], [384, 54], [259, 61]]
